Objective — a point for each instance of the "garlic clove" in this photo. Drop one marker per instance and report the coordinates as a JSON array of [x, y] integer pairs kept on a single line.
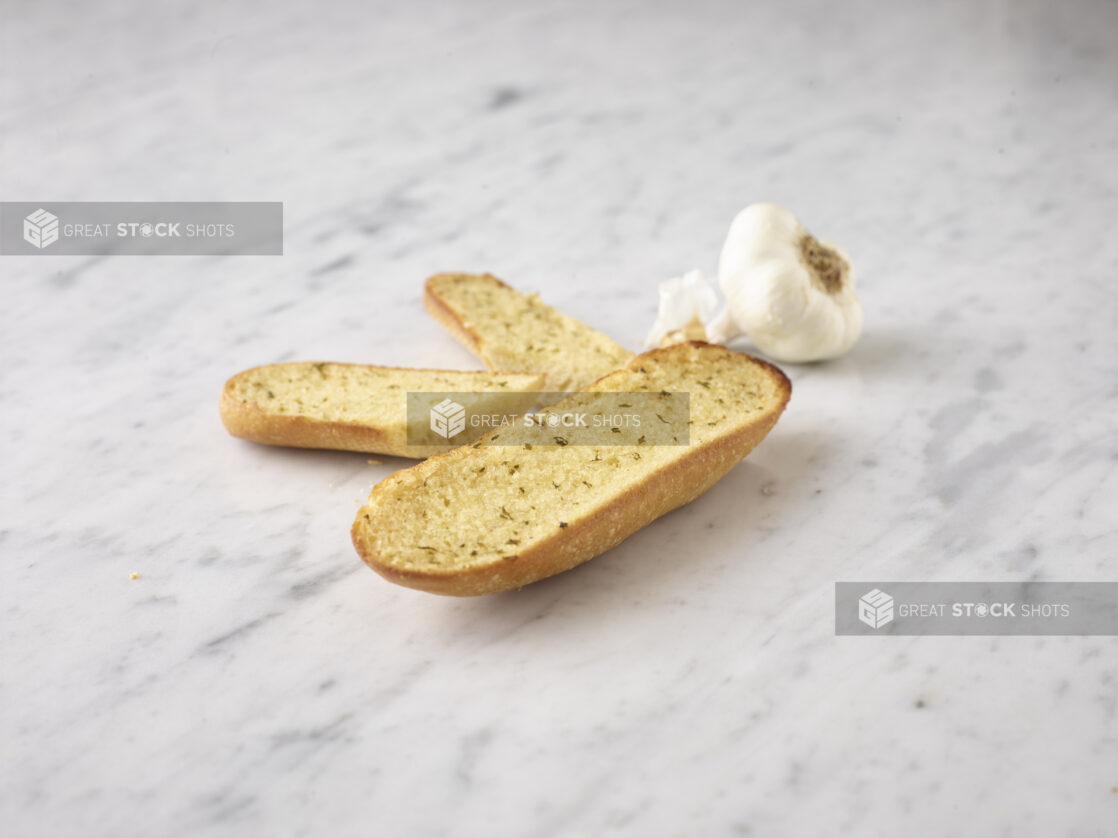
[[757, 233], [685, 302], [789, 319]]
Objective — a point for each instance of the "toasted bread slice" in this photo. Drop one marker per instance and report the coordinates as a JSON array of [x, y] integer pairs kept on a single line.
[[496, 515], [514, 332], [349, 407]]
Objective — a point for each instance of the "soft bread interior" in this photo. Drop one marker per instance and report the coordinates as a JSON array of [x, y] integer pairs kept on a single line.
[[517, 332]]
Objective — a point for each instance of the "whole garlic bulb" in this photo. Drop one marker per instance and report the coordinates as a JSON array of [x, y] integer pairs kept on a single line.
[[789, 293]]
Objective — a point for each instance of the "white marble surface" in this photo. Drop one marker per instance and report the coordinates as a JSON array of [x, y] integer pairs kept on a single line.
[[257, 679]]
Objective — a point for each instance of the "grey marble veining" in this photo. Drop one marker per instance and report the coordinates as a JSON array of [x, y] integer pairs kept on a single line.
[[257, 679]]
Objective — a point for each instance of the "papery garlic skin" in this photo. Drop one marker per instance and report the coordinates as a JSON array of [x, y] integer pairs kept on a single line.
[[790, 293], [685, 301], [694, 330]]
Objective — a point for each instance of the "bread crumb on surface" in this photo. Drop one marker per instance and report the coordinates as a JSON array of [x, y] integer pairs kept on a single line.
[[133, 575]]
